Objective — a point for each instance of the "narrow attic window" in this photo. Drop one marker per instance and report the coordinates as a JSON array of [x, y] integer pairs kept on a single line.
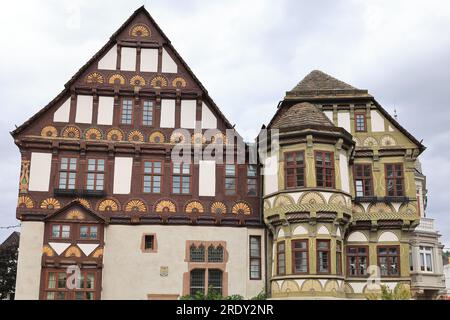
[[360, 122]]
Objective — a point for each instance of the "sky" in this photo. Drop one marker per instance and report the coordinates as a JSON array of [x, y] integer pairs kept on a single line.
[[247, 54]]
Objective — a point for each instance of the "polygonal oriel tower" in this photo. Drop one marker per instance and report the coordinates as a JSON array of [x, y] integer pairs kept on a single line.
[[341, 204]]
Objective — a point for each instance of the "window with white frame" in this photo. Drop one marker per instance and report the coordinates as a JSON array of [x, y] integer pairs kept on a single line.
[[426, 258]]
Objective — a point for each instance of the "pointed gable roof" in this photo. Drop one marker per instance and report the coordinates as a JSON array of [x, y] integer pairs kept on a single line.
[[112, 41], [318, 80], [76, 204], [303, 114], [319, 84]]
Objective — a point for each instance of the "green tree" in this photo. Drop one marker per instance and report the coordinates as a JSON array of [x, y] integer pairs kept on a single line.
[[400, 292], [8, 270]]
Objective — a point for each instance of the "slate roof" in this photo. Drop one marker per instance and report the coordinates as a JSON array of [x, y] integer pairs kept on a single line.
[[318, 80], [320, 84], [12, 240], [302, 114]]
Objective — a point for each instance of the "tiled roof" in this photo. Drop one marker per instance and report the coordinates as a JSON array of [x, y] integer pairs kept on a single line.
[[318, 80], [12, 240], [302, 114]]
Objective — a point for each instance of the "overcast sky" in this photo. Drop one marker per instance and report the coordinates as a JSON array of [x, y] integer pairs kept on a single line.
[[247, 54]]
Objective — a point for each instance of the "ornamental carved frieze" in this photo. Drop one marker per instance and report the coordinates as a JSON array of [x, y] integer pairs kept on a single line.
[[135, 136], [179, 82], [108, 205], [194, 207], [117, 79], [114, 135], [135, 205], [158, 81], [157, 137], [24, 176], [71, 132], [241, 208], [50, 204], [140, 30], [93, 134], [137, 81], [95, 78], [25, 202], [218, 207], [165, 206], [49, 132]]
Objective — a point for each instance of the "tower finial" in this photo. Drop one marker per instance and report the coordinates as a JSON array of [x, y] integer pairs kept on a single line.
[[395, 114]]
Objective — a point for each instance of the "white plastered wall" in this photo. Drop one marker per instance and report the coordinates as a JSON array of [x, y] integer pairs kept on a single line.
[[271, 175], [209, 120], [377, 121], [329, 115], [123, 168], [149, 60], [29, 261], [63, 112], [128, 59], [40, 168], [168, 64], [84, 109], [105, 110], [344, 120], [188, 114], [123, 260], [343, 168], [207, 178], [167, 113], [109, 60]]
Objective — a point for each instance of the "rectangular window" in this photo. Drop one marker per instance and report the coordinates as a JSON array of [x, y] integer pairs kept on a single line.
[[255, 257], [127, 111], [55, 286], [252, 188], [389, 261], [60, 231], [88, 232], [323, 256], [95, 174], [295, 169], [67, 173], [360, 122], [338, 257], [197, 281], [149, 242], [215, 280], [324, 169], [411, 265], [363, 180], [147, 113], [426, 259], [197, 253], [181, 178], [394, 180], [281, 258], [357, 261], [230, 179], [300, 256], [152, 177]]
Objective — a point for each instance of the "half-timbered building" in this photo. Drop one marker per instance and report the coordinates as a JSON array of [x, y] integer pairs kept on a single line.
[[99, 190]]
